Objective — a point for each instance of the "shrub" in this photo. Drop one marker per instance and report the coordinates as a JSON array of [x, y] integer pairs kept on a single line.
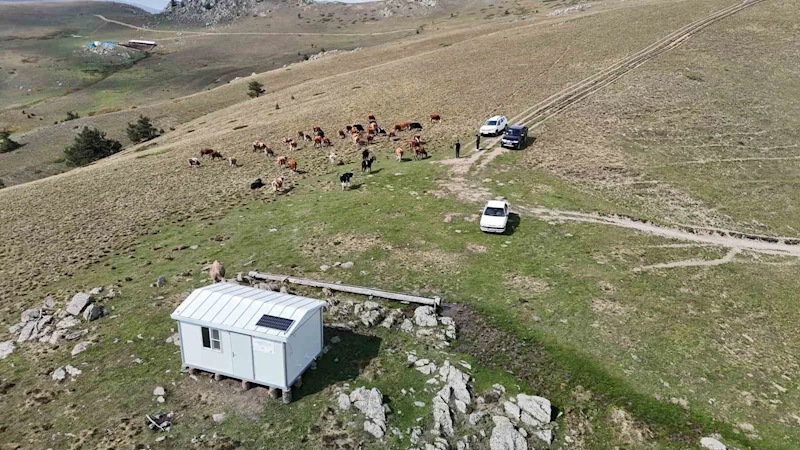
[[255, 89], [142, 130], [71, 115], [6, 143], [90, 145], [2, 184]]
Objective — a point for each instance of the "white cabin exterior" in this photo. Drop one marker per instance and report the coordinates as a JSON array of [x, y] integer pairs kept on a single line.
[[264, 337]]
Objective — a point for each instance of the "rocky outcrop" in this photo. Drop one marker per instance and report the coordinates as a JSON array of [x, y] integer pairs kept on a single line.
[[505, 436], [711, 443], [370, 402]]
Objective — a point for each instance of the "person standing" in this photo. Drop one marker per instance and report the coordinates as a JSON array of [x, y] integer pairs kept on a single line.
[[458, 148], [477, 142]]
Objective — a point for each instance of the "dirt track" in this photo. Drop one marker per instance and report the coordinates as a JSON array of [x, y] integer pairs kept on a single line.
[[557, 103], [255, 33]]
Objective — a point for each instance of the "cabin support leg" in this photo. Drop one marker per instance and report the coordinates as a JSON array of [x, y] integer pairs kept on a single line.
[[217, 377], [273, 392], [299, 382], [245, 385], [287, 396]]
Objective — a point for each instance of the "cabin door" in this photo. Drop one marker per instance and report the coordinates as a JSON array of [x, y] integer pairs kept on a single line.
[[242, 356]]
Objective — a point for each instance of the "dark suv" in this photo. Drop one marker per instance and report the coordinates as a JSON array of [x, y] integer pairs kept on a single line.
[[515, 137]]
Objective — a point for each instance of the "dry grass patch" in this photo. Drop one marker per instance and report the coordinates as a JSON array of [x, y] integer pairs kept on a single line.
[[526, 284]]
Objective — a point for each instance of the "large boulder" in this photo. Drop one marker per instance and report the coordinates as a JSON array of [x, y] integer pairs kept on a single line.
[[370, 402], [505, 436], [93, 312], [6, 348], [31, 314], [536, 410], [425, 316], [442, 417], [27, 332], [710, 443], [78, 303], [457, 380], [67, 322]]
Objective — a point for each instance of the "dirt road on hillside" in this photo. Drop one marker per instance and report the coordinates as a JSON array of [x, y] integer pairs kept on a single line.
[[560, 101], [246, 33]]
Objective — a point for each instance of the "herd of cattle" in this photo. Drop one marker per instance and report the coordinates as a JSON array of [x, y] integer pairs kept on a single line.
[[358, 134]]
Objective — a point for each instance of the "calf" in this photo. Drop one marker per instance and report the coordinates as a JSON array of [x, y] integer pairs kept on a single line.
[[301, 135], [415, 126], [194, 163], [232, 162], [268, 151], [398, 154], [216, 155], [345, 179], [436, 118], [277, 184], [258, 184], [365, 154], [293, 145], [332, 158], [326, 142], [366, 165], [420, 153], [342, 134], [206, 151], [293, 165], [317, 141], [281, 161]]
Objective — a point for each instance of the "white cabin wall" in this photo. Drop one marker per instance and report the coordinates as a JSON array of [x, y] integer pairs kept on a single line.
[[195, 355], [303, 346]]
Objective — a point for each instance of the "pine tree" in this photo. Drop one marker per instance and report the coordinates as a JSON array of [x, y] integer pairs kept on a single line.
[[6, 143], [142, 130], [71, 115], [90, 145], [255, 89]]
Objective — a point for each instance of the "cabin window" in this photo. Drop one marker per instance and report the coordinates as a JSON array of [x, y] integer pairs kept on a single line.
[[211, 339]]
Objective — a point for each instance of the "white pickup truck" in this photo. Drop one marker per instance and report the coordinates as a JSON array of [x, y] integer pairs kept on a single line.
[[495, 217]]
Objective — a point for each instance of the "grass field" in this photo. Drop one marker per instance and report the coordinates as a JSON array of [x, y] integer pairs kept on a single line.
[[634, 353]]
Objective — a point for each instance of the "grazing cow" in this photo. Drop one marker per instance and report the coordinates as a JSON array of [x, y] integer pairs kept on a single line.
[[301, 135], [215, 155], [358, 127], [277, 184], [281, 161], [268, 151], [342, 134], [326, 142], [436, 118], [332, 158], [194, 162], [370, 138], [307, 137], [413, 143], [366, 165], [293, 165], [364, 154], [232, 162], [420, 153], [371, 118], [393, 136], [349, 128], [293, 145], [415, 126], [398, 154], [286, 140], [258, 184], [373, 126], [206, 151], [317, 141], [316, 130], [380, 130], [345, 179], [216, 272], [319, 133], [258, 146]]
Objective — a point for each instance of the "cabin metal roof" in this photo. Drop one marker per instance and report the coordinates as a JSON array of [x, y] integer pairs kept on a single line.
[[238, 308]]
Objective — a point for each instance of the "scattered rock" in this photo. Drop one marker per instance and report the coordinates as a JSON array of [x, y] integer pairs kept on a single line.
[[711, 443], [78, 303], [6, 348], [159, 391], [370, 402], [49, 303], [324, 267], [80, 347], [96, 291], [161, 281], [72, 371], [347, 265], [218, 418], [343, 401], [505, 436], [174, 339], [27, 332], [59, 374], [93, 312], [476, 417], [538, 409], [336, 340], [407, 326], [442, 418], [31, 314], [68, 322]]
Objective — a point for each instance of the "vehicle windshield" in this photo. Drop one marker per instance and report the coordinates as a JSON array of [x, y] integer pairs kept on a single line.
[[494, 212], [491, 122], [512, 132]]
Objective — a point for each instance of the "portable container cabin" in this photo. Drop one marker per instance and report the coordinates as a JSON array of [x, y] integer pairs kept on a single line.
[[258, 336]]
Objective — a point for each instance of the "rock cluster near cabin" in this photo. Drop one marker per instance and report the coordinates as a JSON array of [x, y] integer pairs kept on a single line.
[[369, 402], [50, 324]]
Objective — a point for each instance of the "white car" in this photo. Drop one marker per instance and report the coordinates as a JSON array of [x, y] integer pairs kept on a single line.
[[495, 217], [494, 126]]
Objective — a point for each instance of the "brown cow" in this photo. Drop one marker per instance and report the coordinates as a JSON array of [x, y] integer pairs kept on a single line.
[[206, 151], [326, 142], [317, 141], [342, 134], [277, 184], [436, 118], [301, 135], [215, 155], [370, 138], [258, 146], [293, 165], [293, 145], [373, 127], [268, 151], [420, 153], [398, 154], [232, 162], [281, 161], [402, 126]]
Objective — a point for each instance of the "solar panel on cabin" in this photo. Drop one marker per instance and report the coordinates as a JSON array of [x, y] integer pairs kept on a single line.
[[276, 323]]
